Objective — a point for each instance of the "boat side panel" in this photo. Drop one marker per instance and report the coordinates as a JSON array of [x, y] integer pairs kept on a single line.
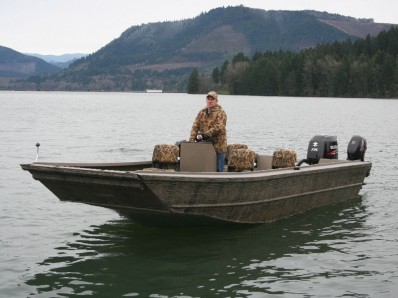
[[272, 210], [260, 200]]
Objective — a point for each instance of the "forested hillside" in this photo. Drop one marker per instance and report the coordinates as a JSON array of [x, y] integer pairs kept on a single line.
[[162, 55], [362, 68]]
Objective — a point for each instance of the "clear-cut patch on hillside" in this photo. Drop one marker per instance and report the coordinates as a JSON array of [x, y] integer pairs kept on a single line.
[[223, 39]]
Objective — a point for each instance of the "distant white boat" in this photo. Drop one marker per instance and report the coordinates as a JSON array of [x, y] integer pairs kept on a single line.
[[154, 90]]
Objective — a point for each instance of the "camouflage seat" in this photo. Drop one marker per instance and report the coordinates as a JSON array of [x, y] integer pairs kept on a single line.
[[232, 147], [284, 158], [165, 156], [241, 160]]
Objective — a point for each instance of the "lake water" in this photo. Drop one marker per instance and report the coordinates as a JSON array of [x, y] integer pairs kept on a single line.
[[50, 248]]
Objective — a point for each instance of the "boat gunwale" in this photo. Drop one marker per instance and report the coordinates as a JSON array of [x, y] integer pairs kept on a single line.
[[92, 172], [165, 175]]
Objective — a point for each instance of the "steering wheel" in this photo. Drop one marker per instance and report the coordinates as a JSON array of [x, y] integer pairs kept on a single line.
[[205, 138]]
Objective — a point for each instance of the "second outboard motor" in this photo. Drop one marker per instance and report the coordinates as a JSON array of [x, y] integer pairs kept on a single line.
[[322, 146], [356, 148]]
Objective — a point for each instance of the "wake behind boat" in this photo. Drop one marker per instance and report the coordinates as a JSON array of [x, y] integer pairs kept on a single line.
[[180, 183]]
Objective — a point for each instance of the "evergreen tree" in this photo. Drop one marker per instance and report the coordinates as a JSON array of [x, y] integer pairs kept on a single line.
[[223, 70], [193, 82], [215, 75]]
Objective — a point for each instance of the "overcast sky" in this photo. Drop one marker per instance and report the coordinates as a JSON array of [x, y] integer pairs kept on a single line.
[[84, 26]]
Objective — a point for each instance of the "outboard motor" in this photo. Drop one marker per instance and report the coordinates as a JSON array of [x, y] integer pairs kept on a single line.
[[356, 148], [322, 146]]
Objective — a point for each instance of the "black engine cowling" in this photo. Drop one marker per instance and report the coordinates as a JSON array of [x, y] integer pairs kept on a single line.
[[356, 148], [322, 146]]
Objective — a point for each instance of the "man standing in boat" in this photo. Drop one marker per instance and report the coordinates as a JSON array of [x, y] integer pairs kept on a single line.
[[212, 121]]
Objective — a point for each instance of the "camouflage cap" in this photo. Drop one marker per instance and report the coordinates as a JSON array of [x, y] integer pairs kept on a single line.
[[213, 94]]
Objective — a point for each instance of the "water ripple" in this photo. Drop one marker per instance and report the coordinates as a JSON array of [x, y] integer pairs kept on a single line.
[[56, 249]]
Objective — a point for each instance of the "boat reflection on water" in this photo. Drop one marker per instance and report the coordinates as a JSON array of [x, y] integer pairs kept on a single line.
[[124, 259]]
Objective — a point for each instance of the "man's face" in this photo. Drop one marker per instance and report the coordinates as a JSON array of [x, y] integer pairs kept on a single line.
[[210, 101]]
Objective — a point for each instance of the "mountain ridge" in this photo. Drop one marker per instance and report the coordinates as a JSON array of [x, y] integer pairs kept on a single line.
[[160, 55], [16, 64], [61, 61]]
